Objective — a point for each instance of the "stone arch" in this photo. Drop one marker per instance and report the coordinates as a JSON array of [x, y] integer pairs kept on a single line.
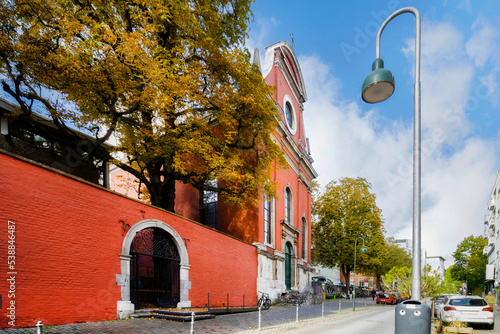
[[125, 306]]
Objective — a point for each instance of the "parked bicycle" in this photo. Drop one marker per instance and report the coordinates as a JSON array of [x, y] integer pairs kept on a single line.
[[287, 298], [264, 301]]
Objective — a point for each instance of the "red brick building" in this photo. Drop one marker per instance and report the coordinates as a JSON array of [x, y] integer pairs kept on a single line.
[[72, 250], [279, 226]]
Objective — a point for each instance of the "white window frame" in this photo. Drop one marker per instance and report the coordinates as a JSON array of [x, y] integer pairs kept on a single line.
[[271, 222], [289, 219], [293, 127]]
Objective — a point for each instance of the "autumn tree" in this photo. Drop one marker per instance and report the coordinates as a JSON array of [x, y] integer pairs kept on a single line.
[[470, 262], [170, 79], [344, 212]]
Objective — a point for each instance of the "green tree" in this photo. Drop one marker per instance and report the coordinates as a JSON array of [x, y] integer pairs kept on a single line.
[[449, 284], [470, 262], [399, 279], [345, 211], [393, 256], [170, 79]]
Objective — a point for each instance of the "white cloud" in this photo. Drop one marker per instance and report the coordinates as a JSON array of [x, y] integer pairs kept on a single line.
[[446, 77], [458, 166], [346, 141], [257, 39], [483, 43]]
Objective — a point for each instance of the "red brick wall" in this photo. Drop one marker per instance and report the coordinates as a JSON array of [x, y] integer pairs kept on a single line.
[[68, 237]]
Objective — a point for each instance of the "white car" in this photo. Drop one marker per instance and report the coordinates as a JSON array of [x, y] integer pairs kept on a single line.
[[470, 309]]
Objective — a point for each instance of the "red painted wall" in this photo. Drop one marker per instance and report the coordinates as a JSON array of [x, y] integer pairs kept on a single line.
[[67, 240]]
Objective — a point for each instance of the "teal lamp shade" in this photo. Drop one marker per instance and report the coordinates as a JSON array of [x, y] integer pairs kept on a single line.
[[378, 85], [363, 249]]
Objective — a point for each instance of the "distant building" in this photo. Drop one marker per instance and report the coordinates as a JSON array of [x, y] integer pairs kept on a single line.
[[407, 245], [331, 273], [439, 260], [492, 235]]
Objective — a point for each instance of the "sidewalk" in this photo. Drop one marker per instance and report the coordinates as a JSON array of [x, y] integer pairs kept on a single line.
[[274, 320]]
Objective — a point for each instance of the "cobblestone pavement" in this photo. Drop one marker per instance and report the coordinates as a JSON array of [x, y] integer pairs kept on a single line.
[[275, 320]]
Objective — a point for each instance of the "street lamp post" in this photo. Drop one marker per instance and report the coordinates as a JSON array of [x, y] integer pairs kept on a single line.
[[362, 250], [379, 86]]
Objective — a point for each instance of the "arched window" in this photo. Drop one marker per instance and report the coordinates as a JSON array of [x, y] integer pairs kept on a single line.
[[288, 265], [267, 219], [304, 237], [290, 115], [288, 205]]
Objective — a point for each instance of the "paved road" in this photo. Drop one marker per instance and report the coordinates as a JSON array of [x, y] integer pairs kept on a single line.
[[378, 320]]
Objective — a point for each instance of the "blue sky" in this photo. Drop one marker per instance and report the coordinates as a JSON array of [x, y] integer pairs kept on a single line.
[[460, 77]]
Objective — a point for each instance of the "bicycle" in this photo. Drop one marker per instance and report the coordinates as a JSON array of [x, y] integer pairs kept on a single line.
[[294, 299], [264, 301]]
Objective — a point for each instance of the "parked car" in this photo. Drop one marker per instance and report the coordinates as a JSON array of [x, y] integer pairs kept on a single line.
[[470, 309], [438, 303], [388, 298]]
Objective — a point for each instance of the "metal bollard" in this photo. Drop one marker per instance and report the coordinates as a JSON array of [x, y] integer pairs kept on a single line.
[[297, 313], [192, 323], [260, 318], [323, 309], [413, 316], [39, 328], [340, 306]]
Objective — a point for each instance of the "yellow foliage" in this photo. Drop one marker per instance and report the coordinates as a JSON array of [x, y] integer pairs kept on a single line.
[[170, 79]]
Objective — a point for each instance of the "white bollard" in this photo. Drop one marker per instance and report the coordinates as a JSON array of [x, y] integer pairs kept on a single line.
[[260, 318], [340, 306], [323, 309], [39, 328], [192, 323], [297, 313]]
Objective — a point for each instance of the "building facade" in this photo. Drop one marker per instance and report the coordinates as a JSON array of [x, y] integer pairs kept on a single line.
[[279, 226], [83, 252], [492, 235]]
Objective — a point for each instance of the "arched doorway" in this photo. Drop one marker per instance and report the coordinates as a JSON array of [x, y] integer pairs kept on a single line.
[[154, 269], [288, 266]]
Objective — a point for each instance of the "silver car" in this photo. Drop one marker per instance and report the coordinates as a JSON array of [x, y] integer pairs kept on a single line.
[[470, 309]]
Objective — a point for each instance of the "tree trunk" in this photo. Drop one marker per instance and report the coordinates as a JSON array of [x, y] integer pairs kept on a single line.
[[346, 272], [163, 195]]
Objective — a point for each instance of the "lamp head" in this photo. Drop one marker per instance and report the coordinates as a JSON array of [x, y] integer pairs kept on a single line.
[[378, 85], [363, 249]]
